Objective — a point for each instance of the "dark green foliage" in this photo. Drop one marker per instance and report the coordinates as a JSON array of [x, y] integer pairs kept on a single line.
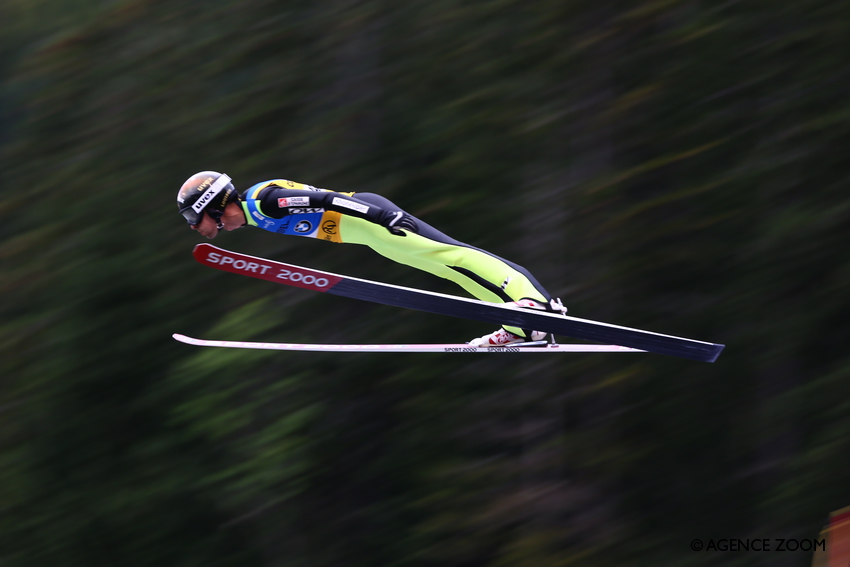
[[673, 165]]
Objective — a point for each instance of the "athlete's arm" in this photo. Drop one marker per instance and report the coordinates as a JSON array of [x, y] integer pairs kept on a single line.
[[277, 202]]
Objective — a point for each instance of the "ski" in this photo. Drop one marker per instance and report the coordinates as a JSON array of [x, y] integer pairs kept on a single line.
[[433, 302], [525, 347]]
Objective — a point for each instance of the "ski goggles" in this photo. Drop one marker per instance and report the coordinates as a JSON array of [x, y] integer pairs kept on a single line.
[[208, 203]]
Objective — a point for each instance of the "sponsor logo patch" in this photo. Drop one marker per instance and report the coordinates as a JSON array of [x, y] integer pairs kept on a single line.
[[303, 226], [305, 211], [293, 202], [329, 227], [354, 206]]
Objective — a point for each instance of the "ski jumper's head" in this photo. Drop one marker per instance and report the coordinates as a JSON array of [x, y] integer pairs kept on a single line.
[[208, 194], [205, 192]]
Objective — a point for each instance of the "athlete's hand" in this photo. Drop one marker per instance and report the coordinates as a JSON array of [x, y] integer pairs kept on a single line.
[[399, 221]]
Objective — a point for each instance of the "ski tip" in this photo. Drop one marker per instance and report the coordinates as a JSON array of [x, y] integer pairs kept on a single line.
[[183, 338]]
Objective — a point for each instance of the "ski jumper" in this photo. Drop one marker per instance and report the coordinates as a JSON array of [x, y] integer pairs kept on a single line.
[[287, 207]]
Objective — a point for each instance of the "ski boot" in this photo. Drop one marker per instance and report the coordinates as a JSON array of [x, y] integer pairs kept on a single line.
[[503, 337]]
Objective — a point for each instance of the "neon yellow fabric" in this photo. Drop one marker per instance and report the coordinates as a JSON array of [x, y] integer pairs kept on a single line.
[[435, 257], [248, 218]]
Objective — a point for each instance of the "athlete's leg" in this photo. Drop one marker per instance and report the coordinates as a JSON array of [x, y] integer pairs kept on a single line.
[[484, 275]]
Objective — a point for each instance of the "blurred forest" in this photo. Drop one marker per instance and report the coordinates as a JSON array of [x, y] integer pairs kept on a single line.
[[674, 165]]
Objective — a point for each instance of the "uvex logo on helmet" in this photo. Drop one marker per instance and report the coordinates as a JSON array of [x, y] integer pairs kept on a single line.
[[207, 191], [210, 193], [205, 184]]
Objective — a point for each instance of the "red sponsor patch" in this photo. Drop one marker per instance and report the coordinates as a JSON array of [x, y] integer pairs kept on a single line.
[[293, 202]]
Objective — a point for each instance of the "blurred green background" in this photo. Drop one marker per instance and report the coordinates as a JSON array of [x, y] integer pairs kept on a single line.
[[674, 165]]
